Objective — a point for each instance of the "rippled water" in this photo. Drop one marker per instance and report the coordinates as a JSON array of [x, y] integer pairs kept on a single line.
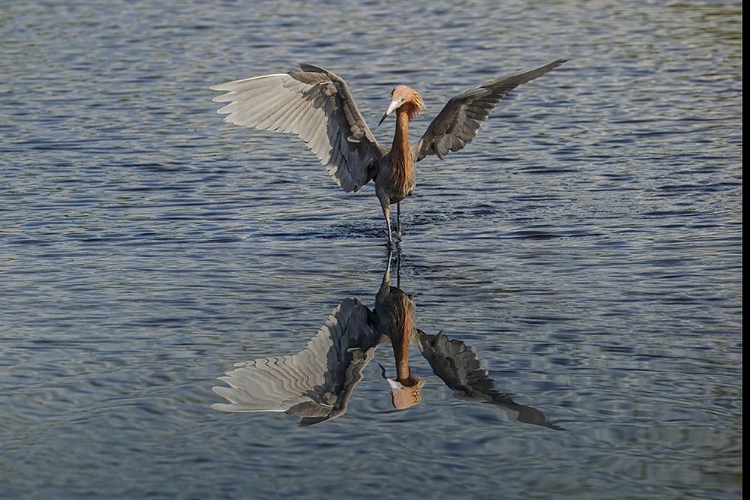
[[586, 246]]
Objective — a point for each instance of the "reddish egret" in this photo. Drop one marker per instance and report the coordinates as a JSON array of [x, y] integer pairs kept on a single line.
[[317, 105]]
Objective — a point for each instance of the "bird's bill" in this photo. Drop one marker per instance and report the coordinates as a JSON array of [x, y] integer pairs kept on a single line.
[[395, 386], [391, 108]]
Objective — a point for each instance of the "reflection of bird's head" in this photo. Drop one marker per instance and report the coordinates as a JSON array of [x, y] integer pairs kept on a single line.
[[405, 393], [406, 98]]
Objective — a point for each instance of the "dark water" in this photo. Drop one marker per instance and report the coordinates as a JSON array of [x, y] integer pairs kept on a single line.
[[586, 246]]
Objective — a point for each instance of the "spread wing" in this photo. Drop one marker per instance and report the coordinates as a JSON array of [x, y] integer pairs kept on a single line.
[[457, 365], [314, 104], [458, 122], [314, 384]]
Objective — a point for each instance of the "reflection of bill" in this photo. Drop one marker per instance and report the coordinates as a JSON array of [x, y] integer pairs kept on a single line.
[[317, 383]]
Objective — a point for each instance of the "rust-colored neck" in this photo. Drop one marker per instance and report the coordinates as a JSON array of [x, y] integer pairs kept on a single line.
[[400, 153], [401, 137], [401, 353], [396, 316], [401, 331]]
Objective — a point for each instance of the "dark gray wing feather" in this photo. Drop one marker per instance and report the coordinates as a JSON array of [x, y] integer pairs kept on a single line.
[[457, 365], [458, 122], [314, 384], [314, 104]]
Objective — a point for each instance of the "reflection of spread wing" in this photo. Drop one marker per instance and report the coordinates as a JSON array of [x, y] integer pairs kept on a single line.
[[459, 368], [314, 384]]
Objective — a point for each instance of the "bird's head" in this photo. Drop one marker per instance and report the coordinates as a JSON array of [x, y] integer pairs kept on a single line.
[[405, 98]]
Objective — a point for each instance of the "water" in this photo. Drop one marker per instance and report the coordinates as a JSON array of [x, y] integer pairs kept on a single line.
[[586, 246]]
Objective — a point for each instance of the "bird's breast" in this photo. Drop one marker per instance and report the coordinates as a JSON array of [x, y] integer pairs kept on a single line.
[[397, 192], [400, 179]]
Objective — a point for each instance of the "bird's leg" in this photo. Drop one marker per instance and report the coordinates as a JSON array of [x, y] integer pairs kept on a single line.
[[398, 219], [385, 204], [398, 270], [385, 285], [387, 275]]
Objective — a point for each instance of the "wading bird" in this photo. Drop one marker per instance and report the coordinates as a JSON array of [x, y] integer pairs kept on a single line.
[[317, 105]]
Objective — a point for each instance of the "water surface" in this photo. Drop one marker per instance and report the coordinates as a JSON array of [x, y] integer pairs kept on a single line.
[[586, 246]]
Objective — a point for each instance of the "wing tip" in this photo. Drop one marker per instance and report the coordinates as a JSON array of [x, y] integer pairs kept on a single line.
[[312, 68]]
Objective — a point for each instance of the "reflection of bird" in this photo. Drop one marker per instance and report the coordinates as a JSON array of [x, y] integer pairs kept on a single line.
[[316, 105], [316, 384], [396, 315]]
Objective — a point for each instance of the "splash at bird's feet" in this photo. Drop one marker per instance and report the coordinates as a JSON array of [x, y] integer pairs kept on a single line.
[[393, 244]]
